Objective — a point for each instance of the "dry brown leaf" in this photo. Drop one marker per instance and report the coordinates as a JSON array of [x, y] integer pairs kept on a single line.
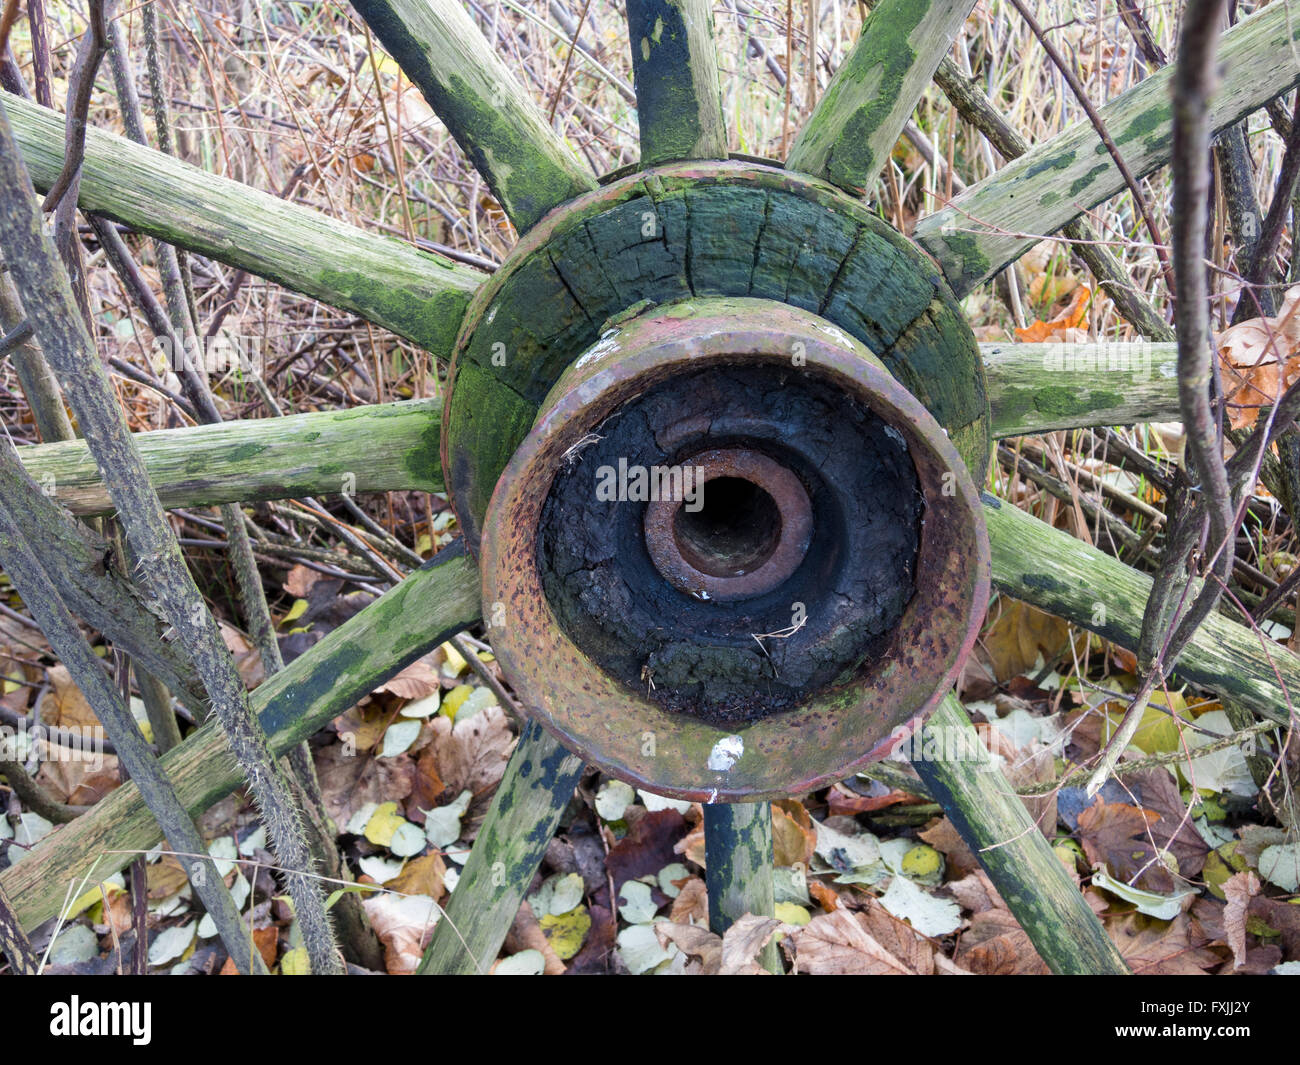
[[944, 837], [1011, 642], [1161, 948], [404, 925], [1249, 354], [416, 681], [421, 876], [94, 786], [867, 943], [695, 941], [1115, 834], [471, 755], [266, 940], [349, 781], [1238, 890], [691, 904], [976, 893], [691, 847], [996, 945], [793, 836], [299, 580], [824, 896], [742, 942]]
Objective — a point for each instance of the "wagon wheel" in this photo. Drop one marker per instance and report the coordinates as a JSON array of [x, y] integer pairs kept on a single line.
[[773, 293]]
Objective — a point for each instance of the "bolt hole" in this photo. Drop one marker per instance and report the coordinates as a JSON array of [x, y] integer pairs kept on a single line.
[[734, 532]]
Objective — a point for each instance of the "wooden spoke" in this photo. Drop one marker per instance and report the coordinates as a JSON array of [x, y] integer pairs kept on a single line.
[[854, 127], [959, 773], [994, 222], [416, 294], [675, 66], [1036, 388], [1033, 388], [1064, 576], [524, 815], [379, 448], [527, 166], [738, 867], [431, 605]]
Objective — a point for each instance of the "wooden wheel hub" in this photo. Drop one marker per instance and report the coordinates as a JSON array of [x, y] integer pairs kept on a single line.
[[742, 529], [848, 506], [698, 230]]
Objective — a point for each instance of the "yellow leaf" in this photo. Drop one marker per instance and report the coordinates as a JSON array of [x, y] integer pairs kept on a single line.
[[383, 823], [295, 963], [565, 932], [792, 913], [921, 861], [453, 700], [296, 611], [454, 663]]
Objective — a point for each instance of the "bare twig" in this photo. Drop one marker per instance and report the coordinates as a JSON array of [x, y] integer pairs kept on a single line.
[[1081, 93]]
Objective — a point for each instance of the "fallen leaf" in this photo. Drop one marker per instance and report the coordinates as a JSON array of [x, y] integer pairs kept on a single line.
[[742, 942], [1074, 316], [471, 755], [793, 836], [1160, 948], [869, 943], [996, 945], [1238, 890], [695, 942], [404, 925]]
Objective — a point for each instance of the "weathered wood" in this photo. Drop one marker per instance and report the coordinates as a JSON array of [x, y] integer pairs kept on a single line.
[[699, 230], [958, 771], [416, 294], [378, 448], [1064, 576], [675, 67], [430, 605], [997, 220], [528, 167], [855, 126], [1036, 388], [738, 868], [525, 812], [1032, 388]]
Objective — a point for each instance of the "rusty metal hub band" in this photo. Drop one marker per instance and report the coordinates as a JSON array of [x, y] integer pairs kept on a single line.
[[586, 625], [744, 530]]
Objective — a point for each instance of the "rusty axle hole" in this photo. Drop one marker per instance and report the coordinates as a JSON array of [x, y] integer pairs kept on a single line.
[[735, 530]]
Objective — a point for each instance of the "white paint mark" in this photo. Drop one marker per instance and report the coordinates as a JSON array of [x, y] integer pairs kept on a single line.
[[726, 753]]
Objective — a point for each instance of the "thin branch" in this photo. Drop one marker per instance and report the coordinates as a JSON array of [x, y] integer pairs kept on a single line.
[[1081, 93]]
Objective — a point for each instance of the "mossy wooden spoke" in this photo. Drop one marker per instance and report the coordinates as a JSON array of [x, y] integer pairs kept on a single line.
[[960, 774], [675, 66], [416, 294], [345, 665], [1033, 388], [497, 124], [379, 448], [1036, 388], [869, 100], [525, 812], [1064, 576], [738, 868], [997, 220]]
